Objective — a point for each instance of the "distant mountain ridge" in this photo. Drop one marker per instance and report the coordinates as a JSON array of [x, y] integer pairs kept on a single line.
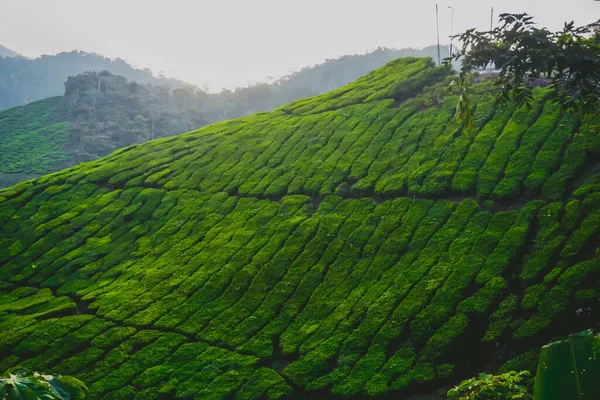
[[24, 80], [337, 72], [6, 52]]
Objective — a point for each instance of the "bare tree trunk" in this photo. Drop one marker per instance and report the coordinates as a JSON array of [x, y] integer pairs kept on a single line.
[[97, 94]]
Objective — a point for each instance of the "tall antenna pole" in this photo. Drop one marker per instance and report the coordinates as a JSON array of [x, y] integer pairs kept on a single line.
[[437, 22], [491, 29], [451, 29]]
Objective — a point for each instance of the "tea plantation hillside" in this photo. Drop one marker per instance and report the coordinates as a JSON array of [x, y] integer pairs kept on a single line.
[[32, 139], [355, 243]]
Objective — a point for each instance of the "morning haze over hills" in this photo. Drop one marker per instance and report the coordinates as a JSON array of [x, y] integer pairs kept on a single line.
[[377, 225], [90, 115]]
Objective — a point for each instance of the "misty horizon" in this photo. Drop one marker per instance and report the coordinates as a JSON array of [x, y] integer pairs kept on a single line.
[[267, 80], [234, 44]]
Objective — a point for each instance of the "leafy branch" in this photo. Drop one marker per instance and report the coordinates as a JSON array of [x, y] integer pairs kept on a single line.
[[511, 385], [524, 56]]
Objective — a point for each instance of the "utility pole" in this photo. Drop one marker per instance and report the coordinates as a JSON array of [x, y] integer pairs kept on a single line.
[[491, 29], [437, 22], [451, 29]]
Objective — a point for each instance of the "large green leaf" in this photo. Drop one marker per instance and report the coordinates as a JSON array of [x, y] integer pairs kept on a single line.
[[570, 369], [23, 385]]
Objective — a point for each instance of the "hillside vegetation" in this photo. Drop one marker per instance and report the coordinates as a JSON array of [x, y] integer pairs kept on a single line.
[[33, 139], [354, 243], [101, 112]]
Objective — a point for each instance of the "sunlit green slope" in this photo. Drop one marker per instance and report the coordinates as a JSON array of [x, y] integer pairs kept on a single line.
[[353, 243], [33, 139]]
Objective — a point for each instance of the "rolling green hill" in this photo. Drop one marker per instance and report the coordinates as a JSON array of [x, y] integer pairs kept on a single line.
[[33, 139], [101, 112], [355, 243]]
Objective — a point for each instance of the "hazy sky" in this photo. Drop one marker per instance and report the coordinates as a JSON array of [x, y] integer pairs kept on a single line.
[[228, 43]]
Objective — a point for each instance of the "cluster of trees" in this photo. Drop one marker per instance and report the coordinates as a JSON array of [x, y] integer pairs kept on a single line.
[[108, 112]]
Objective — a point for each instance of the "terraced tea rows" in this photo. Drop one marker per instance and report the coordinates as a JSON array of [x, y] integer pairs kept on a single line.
[[339, 246], [366, 149], [33, 140]]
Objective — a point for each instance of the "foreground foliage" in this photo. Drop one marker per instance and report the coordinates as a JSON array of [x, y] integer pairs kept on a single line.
[[569, 369], [507, 386], [523, 53], [24, 385], [348, 244]]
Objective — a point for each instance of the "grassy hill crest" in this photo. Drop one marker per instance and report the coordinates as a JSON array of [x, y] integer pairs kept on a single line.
[[101, 112], [349, 244]]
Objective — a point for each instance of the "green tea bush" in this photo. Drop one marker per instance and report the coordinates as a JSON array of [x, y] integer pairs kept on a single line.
[[464, 179], [521, 161], [549, 156]]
